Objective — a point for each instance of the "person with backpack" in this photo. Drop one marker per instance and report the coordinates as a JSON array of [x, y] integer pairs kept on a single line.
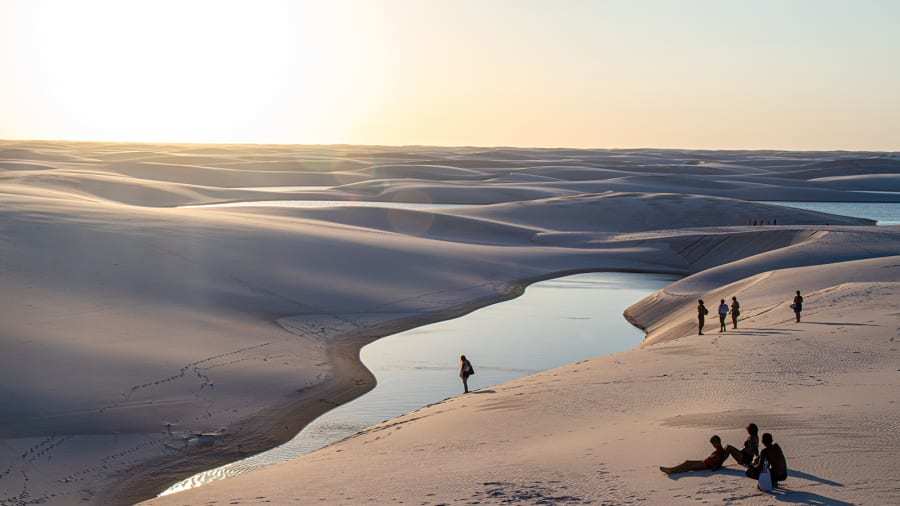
[[771, 459], [723, 315], [735, 311], [701, 316], [465, 370], [797, 306]]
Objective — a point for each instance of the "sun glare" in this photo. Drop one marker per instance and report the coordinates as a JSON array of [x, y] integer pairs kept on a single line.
[[201, 70]]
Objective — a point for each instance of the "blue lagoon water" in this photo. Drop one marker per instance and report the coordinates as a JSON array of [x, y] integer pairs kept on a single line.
[[885, 213], [554, 322]]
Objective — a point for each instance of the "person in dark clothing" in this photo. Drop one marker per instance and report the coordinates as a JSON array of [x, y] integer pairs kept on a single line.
[[750, 450], [465, 370], [701, 316], [711, 463], [723, 315], [770, 456], [797, 306], [735, 311]]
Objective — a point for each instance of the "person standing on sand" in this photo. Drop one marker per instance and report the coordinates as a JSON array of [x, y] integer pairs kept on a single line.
[[723, 314], [701, 316], [465, 370], [711, 463], [771, 456], [797, 306], [735, 311], [746, 455]]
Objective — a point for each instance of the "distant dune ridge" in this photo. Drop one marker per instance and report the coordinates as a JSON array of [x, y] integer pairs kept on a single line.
[[146, 337]]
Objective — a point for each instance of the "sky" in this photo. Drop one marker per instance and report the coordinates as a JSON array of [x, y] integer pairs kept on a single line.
[[635, 73]]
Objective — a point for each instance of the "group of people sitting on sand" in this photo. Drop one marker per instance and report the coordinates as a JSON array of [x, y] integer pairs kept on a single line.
[[770, 459], [735, 310]]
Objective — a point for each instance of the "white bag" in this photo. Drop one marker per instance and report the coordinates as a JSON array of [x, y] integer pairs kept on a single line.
[[765, 478]]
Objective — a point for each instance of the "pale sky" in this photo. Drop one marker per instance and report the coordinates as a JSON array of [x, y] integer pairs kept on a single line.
[[780, 74]]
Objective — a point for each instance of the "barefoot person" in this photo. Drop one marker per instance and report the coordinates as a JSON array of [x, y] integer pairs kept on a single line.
[[735, 311], [711, 463], [797, 306], [723, 315], [701, 316], [770, 456], [746, 455], [465, 370]]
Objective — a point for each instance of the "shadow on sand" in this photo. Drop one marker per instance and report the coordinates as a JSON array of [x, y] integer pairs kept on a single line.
[[809, 498], [781, 494], [843, 324], [482, 391]]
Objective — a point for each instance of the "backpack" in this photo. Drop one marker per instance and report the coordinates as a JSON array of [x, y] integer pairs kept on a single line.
[[765, 478]]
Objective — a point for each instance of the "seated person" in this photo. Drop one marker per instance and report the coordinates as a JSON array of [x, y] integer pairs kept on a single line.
[[746, 455], [772, 456], [711, 463]]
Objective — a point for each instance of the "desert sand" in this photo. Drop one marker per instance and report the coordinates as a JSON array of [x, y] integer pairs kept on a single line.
[[147, 337]]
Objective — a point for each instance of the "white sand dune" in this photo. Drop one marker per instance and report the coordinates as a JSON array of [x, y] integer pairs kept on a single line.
[[598, 430], [145, 341]]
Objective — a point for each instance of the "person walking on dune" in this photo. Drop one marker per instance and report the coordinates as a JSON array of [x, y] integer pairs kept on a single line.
[[750, 450], [797, 306], [465, 370], [711, 463], [723, 315], [735, 311], [701, 316]]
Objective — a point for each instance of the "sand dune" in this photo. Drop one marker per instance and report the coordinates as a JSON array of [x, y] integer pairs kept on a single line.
[[146, 339], [597, 430]]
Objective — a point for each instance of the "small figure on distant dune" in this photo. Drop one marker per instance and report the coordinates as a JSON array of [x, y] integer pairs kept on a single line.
[[771, 458], [797, 306], [750, 450], [701, 316], [465, 370], [711, 463], [723, 315], [735, 311]]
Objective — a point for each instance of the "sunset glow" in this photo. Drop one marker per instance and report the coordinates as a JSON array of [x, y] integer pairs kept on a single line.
[[658, 73]]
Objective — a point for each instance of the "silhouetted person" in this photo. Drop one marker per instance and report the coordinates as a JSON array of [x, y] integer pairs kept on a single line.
[[770, 456], [701, 316], [465, 370], [723, 314], [797, 306], [711, 463], [750, 450], [775, 222], [735, 311]]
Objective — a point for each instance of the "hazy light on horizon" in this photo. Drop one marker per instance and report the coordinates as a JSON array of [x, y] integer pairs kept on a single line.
[[706, 74]]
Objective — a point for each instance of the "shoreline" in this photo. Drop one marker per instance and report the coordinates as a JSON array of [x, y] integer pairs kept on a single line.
[[449, 419], [351, 379]]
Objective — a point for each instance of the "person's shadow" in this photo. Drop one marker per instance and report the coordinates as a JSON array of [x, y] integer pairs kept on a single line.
[[808, 498], [781, 494], [727, 471]]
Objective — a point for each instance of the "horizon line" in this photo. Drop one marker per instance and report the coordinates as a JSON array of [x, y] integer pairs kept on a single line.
[[890, 151]]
